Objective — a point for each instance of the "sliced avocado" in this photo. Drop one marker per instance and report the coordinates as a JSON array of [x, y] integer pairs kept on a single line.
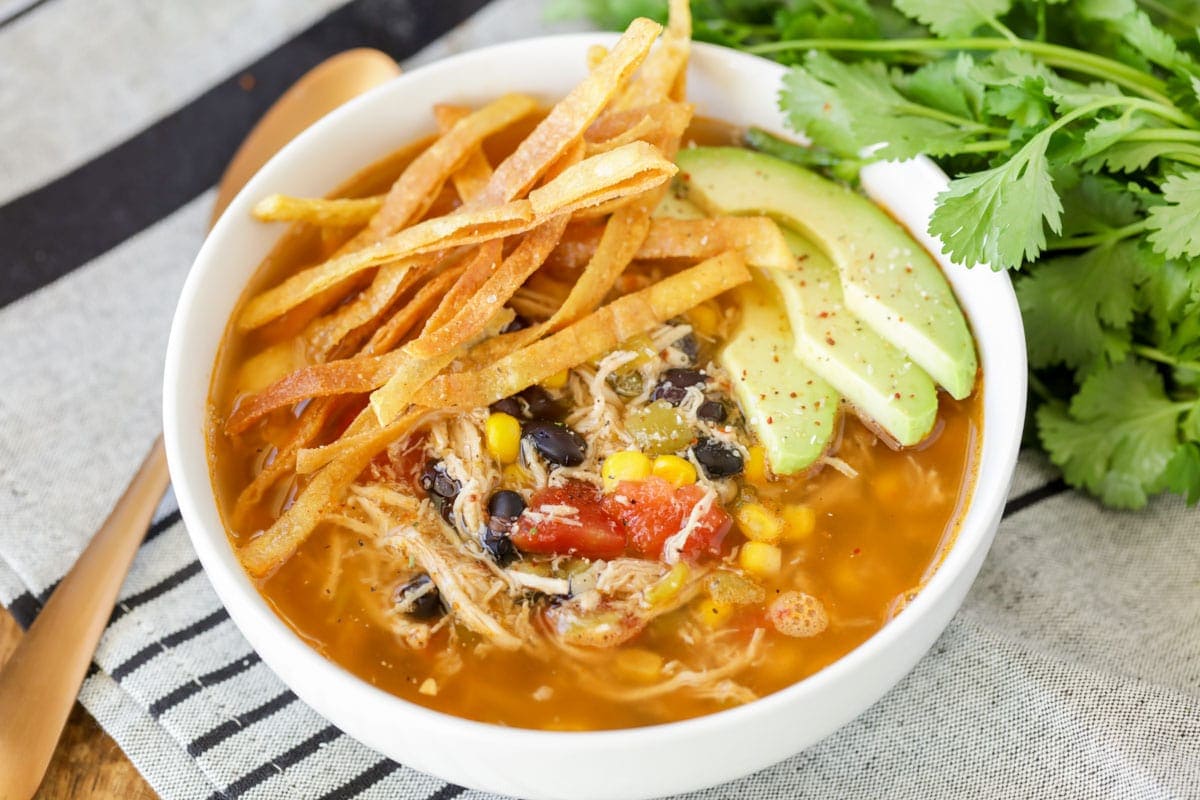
[[676, 207], [791, 410], [882, 382], [888, 280]]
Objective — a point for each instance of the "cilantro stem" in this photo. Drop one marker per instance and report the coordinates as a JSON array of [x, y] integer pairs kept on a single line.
[[918, 110], [1053, 54], [1094, 239], [1154, 354], [984, 146], [1162, 135]]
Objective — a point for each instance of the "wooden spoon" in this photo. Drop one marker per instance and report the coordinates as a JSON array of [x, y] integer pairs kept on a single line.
[[39, 683]]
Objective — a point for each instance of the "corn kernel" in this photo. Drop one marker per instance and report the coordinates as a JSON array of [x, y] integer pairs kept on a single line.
[[502, 434], [712, 613], [556, 381], [666, 588], [626, 465], [706, 320], [798, 522], [514, 476], [759, 523], [674, 469], [760, 558], [638, 664], [755, 469]]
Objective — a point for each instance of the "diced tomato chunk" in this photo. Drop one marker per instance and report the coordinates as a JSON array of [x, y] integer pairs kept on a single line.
[[653, 510], [588, 532]]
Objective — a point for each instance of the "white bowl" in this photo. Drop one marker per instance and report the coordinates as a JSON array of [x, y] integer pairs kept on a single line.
[[633, 763]]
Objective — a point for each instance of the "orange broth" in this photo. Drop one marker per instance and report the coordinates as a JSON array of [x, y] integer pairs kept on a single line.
[[877, 538]]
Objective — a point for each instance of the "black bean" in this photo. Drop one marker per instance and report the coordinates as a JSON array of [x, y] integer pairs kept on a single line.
[[557, 443], [518, 323], [497, 542], [712, 411], [673, 384], [690, 347], [718, 459], [419, 598], [435, 481], [509, 405], [506, 503], [541, 405]]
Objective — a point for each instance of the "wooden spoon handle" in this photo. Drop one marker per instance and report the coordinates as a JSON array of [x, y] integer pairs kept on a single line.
[[39, 683]]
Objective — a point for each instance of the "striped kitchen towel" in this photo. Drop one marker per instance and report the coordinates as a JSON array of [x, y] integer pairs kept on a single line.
[[1072, 671]]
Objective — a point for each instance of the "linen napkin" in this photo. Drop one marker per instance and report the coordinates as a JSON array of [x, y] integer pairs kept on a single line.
[[1073, 670]]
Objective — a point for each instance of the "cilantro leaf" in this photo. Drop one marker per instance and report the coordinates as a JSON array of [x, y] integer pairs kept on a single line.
[[847, 108], [1117, 436], [1182, 474], [1175, 225], [996, 216], [1077, 309], [954, 18]]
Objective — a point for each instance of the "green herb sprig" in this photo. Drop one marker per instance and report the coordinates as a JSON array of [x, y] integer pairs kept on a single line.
[[1072, 128]]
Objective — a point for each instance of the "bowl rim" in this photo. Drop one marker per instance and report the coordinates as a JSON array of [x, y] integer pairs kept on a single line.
[[258, 622]]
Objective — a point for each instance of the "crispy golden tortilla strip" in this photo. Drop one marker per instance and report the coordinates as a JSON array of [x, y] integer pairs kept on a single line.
[[481, 266], [432, 235], [665, 70], [567, 121], [487, 301], [758, 239], [390, 400], [616, 128], [471, 178], [390, 280], [340, 212], [415, 190], [363, 373], [621, 172], [593, 335], [323, 493]]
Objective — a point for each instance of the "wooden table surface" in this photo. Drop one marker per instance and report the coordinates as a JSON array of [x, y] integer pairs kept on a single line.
[[88, 765]]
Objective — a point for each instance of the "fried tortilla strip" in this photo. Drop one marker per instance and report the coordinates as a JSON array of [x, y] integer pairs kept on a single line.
[[390, 400], [617, 128], [342, 212], [758, 239], [471, 178], [432, 235], [494, 293], [570, 117], [414, 191], [624, 171], [665, 71], [596, 333], [325, 491], [456, 154], [360, 374], [484, 264]]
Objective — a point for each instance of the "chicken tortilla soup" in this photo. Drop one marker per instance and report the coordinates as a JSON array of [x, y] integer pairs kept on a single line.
[[592, 416]]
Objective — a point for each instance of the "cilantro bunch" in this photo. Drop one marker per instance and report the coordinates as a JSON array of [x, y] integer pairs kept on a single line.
[[1072, 128]]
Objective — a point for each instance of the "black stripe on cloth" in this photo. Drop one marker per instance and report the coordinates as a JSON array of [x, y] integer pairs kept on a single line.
[[180, 693], [294, 756], [362, 781], [164, 524], [208, 741], [1035, 496], [447, 792], [181, 575], [131, 664], [20, 12], [71, 220], [24, 609]]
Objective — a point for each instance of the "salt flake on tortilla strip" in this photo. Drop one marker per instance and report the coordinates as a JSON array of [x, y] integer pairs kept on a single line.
[[439, 233], [340, 212], [596, 333]]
